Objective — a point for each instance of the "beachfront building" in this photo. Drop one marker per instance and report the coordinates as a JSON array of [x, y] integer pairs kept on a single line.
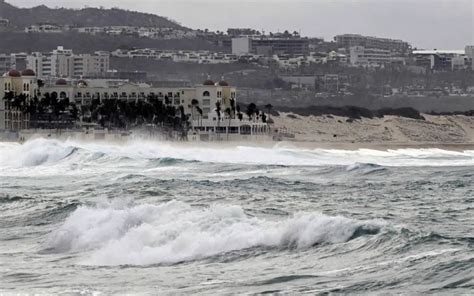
[[210, 107], [15, 83], [64, 63]]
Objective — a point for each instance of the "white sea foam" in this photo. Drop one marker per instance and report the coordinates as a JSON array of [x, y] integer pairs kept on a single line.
[[118, 234], [47, 152]]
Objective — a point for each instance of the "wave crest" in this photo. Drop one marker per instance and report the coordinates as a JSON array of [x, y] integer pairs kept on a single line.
[[42, 151], [175, 232]]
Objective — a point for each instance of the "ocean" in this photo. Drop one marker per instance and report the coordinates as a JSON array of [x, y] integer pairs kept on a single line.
[[161, 218]]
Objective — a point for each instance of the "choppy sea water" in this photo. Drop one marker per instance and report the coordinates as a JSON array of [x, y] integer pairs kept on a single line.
[[149, 218]]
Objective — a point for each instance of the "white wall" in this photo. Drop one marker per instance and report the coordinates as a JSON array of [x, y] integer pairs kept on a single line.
[[241, 45]]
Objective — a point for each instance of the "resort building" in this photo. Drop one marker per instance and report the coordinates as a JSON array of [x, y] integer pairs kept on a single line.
[[199, 102], [15, 83], [211, 108]]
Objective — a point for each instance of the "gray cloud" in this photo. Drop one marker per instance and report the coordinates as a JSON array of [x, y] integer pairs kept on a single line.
[[424, 23]]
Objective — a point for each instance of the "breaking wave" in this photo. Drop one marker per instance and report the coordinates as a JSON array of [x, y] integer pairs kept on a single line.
[[120, 234], [49, 152]]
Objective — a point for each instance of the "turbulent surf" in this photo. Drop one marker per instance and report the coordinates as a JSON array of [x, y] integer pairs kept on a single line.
[[148, 217]]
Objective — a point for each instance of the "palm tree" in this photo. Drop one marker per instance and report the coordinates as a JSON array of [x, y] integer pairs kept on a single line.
[[194, 104], [232, 105], [269, 108], [228, 111], [251, 109], [239, 114], [218, 112], [199, 110]]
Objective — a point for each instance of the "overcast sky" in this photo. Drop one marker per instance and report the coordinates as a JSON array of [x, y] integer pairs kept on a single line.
[[447, 24]]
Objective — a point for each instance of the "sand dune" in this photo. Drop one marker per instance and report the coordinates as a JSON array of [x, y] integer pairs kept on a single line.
[[456, 130]]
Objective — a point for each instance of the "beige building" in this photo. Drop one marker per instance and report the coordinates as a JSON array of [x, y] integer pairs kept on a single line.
[[208, 124], [16, 83], [207, 95]]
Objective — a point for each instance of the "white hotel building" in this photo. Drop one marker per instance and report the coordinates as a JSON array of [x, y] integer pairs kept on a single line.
[[64, 63], [369, 57]]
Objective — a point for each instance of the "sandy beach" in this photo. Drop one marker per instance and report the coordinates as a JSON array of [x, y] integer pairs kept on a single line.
[[453, 132]]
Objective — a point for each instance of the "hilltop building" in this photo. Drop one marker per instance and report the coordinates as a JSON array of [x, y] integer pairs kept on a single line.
[[393, 45], [44, 28], [268, 46], [369, 57], [7, 62], [64, 63], [443, 60], [469, 51]]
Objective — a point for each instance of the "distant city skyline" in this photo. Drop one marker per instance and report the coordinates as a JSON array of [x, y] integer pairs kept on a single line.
[[446, 24]]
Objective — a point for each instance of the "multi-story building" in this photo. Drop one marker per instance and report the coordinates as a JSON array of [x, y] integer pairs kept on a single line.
[[199, 102], [15, 83], [207, 94], [211, 107], [442, 60], [369, 57], [7, 63], [351, 40], [265, 45], [64, 63], [469, 51]]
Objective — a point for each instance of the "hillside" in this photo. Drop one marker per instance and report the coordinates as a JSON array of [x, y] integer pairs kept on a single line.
[[84, 43], [22, 17]]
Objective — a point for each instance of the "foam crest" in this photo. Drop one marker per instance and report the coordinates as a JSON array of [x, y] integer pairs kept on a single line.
[[175, 232], [34, 153], [38, 152]]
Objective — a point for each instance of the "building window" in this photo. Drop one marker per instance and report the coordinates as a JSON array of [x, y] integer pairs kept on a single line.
[[206, 94], [206, 102]]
